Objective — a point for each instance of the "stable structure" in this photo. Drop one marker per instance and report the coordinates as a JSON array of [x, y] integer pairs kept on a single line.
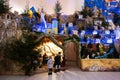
[[52, 44]]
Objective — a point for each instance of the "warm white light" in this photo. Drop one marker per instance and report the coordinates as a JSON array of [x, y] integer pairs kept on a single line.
[[49, 48], [82, 32], [107, 32], [97, 41], [109, 41], [94, 32]]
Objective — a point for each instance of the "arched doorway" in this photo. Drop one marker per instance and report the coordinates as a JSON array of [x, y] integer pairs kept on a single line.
[[71, 54]]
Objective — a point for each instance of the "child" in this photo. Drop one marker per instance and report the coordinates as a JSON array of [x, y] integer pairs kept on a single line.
[[57, 62], [50, 65]]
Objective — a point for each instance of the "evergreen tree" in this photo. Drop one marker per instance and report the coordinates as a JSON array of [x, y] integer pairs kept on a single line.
[[58, 7], [86, 12], [22, 51], [4, 8]]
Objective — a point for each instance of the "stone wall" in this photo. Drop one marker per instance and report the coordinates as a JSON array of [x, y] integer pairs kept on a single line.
[[8, 30], [100, 64]]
